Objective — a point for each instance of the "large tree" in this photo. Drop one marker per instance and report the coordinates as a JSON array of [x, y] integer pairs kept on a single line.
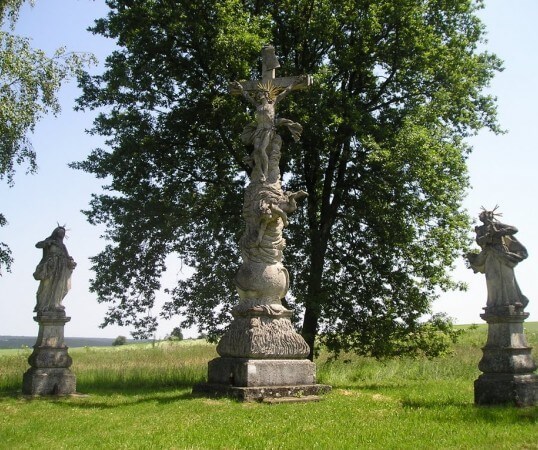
[[398, 86], [29, 82]]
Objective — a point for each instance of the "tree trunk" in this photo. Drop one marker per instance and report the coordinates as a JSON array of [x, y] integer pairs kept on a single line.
[[321, 216], [310, 329], [314, 299]]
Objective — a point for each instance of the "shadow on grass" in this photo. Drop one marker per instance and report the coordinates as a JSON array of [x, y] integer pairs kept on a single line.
[[10, 393], [155, 389], [400, 393], [377, 387], [434, 404], [87, 401], [507, 414], [99, 386], [129, 398], [464, 410], [469, 412], [490, 413], [88, 397]]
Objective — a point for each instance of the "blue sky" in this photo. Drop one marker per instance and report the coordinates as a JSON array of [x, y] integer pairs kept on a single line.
[[502, 171]]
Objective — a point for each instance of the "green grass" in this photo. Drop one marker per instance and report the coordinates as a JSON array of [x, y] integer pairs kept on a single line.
[[139, 396]]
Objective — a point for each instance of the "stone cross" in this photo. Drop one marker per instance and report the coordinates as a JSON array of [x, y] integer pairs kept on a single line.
[[269, 64], [261, 354]]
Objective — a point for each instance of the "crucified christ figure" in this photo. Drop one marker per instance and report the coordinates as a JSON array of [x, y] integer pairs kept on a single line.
[[262, 133], [264, 95]]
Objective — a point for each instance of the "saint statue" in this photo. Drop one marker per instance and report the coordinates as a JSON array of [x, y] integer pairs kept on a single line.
[[500, 253], [54, 272]]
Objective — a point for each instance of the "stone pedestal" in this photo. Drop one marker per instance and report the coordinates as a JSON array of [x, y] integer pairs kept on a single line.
[[262, 380], [49, 373], [262, 359], [507, 364], [243, 372]]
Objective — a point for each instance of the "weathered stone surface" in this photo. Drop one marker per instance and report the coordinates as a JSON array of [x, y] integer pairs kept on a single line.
[[506, 350], [51, 328], [269, 394], [242, 372], [44, 357], [261, 348], [507, 362], [262, 337], [48, 381], [262, 328], [505, 388], [54, 272], [49, 373]]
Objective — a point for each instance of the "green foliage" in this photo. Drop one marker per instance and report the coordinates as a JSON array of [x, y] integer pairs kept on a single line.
[[29, 82], [176, 334], [120, 340], [398, 86], [5, 253], [9, 10], [431, 339]]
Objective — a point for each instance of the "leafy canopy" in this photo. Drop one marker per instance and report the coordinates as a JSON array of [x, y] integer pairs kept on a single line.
[[29, 82], [398, 86]]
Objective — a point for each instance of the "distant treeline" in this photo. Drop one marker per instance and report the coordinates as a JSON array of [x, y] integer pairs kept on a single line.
[[20, 341]]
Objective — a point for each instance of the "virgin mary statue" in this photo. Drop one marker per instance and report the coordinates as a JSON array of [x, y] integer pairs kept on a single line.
[[54, 272]]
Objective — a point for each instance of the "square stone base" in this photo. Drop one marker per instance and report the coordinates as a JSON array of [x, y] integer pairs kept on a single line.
[[262, 380], [245, 372], [503, 389], [56, 381]]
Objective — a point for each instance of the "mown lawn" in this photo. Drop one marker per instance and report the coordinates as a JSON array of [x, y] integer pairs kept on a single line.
[[140, 397]]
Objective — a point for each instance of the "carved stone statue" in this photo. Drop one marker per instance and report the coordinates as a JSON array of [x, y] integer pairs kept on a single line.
[[262, 133], [507, 363], [49, 372], [261, 348], [262, 280], [500, 253], [54, 272]]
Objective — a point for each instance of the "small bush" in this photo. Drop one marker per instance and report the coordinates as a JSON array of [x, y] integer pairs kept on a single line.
[[176, 335], [120, 340]]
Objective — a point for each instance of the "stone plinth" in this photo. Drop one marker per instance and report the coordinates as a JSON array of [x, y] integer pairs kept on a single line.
[[262, 330], [507, 364], [262, 380], [49, 373], [280, 372], [269, 394], [262, 372]]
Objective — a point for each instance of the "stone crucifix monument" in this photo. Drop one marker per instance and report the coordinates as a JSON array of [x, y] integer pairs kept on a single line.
[[261, 354], [49, 373], [507, 364]]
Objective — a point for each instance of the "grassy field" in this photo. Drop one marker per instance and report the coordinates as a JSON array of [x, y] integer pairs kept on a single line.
[[139, 397]]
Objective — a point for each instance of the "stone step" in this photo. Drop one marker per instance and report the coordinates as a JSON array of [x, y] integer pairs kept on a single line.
[[266, 394], [305, 399]]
